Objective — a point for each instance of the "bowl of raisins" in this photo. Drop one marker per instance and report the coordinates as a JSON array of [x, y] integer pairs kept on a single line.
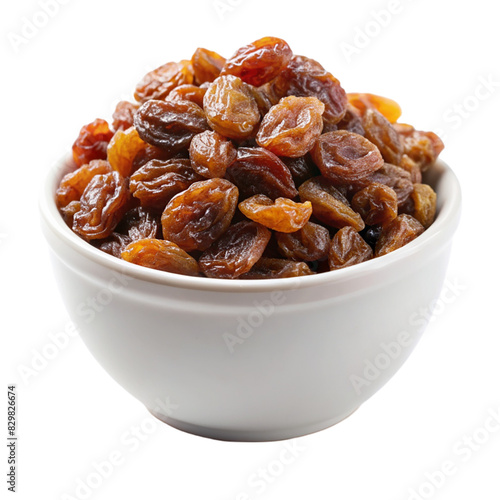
[[246, 247]]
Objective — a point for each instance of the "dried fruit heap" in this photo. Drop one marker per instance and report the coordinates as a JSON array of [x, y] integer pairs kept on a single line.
[[258, 166]]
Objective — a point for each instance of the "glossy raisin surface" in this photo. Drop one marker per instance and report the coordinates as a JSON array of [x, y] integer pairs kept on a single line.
[[92, 142], [196, 217], [236, 251], [348, 248]]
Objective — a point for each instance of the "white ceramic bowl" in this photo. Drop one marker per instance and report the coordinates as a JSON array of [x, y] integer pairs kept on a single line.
[[252, 360]]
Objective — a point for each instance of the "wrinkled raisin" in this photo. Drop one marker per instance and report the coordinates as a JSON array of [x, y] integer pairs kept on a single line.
[[169, 125], [344, 156], [301, 168], [122, 150], [103, 204], [258, 171], [114, 244], [380, 131], [207, 65], [267, 268], [231, 108], [422, 147], [123, 116], [162, 255], [352, 122], [157, 84], [348, 248], [157, 182], [196, 217], [236, 251], [211, 154], [188, 92], [396, 178], [259, 62], [362, 102], [292, 126], [312, 242], [304, 77], [400, 231], [139, 223], [92, 142], [376, 203], [282, 215], [329, 205], [73, 184], [424, 204]]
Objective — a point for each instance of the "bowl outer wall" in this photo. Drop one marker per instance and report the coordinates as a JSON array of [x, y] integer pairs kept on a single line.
[[253, 360]]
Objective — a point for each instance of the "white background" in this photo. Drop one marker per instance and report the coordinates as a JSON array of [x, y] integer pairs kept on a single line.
[[433, 57]]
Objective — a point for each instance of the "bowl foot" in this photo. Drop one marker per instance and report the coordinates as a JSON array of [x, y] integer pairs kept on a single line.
[[249, 435]]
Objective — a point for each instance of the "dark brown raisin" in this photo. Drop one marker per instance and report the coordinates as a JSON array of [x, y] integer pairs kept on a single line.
[[348, 248], [310, 243], [236, 251]]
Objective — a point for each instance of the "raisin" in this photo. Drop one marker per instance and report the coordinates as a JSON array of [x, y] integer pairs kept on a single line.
[[380, 132], [348, 248], [188, 92], [376, 203], [207, 65], [259, 62], [211, 154], [122, 150], [265, 101], [157, 84], [231, 108], [73, 184], [422, 147], [362, 102], [396, 178], [282, 215], [329, 205], [169, 125], [123, 116], [139, 223], [371, 234], [400, 231], [301, 168], [351, 122], [69, 211], [344, 156], [92, 142], [424, 204], [258, 171], [236, 251], [114, 244], [412, 168], [196, 217], [103, 204], [150, 153], [267, 268], [162, 255], [304, 77], [292, 126], [157, 182], [311, 242]]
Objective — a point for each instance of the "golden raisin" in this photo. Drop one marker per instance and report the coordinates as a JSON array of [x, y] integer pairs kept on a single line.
[[92, 142], [424, 203], [400, 231], [283, 215], [122, 150]]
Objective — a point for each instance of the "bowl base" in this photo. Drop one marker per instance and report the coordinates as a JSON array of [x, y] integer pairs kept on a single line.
[[249, 435]]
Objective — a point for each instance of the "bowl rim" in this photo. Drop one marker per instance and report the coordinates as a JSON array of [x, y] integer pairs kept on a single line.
[[439, 233]]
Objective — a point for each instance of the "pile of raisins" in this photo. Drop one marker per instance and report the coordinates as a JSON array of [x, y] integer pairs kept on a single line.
[[257, 166]]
